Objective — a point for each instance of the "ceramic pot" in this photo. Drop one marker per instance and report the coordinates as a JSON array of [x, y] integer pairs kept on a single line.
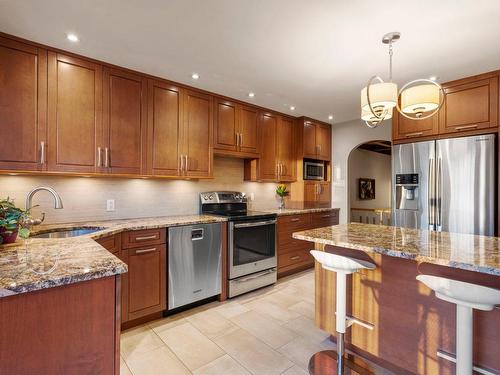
[[8, 236]]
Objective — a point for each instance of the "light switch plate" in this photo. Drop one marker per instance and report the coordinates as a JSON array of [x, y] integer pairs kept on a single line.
[[110, 205]]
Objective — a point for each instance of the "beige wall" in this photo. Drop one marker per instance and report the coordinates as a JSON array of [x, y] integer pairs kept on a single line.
[[368, 164], [85, 198], [347, 136]]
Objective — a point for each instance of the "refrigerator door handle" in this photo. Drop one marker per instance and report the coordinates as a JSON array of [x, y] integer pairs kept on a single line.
[[439, 192], [431, 194]]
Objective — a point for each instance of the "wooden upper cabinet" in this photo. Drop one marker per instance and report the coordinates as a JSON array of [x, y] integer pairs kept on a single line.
[[124, 117], [164, 129], [248, 129], [309, 140], [470, 105], [405, 128], [235, 128], [23, 106], [226, 130], [316, 140], [285, 149], [324, 141], [74, 114], [197, 135], [267, 162]]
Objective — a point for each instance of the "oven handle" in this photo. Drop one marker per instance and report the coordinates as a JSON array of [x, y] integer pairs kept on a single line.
[[255, 224]]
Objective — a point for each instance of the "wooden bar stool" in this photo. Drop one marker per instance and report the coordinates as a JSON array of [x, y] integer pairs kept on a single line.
[[466, 296], [342, 266]]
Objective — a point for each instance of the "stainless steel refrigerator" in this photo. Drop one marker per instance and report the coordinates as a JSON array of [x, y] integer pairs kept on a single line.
[[446, 185]]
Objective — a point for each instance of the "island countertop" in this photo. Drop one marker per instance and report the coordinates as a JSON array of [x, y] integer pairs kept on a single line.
[[40, 263], [463, 251]]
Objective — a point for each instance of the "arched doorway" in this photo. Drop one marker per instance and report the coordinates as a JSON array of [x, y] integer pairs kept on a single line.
[[369, 183]]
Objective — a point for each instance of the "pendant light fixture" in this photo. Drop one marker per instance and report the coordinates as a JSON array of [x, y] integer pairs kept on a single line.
[[379, 98]]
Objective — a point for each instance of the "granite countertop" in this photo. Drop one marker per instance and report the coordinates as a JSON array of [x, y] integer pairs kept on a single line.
[[40, 263], [464, 251]]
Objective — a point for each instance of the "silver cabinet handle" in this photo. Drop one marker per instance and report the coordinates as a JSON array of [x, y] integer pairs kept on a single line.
[[181, 162], [42, 152], [465, 127], [296, 257], [241, 139], [106, 157], [144, 238], [413, 134], [99, 157], [144, 251], [278, 171], [326, 216], [187, 163], [237, 139], [319, 149], [295, 219]]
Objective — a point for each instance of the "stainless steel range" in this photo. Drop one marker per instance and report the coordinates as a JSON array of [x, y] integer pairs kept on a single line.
[[252, 240]]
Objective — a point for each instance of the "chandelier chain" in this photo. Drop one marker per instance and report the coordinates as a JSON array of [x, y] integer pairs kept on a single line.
[[390, 61]]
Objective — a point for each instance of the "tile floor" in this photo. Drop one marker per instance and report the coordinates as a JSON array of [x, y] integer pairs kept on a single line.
[[266, 332]]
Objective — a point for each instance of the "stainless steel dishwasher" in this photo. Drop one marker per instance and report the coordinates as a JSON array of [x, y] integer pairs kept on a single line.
[[194, 263]]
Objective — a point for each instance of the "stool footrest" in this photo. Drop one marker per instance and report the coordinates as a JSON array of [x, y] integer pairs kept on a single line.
[[353, 320], [450, 357]]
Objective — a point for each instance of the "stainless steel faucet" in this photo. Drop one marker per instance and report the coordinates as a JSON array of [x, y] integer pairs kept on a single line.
[[29, 204]]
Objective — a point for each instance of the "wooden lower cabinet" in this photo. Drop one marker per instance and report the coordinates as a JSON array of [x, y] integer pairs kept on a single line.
[[144, 286], [69, 329], [293, 255]]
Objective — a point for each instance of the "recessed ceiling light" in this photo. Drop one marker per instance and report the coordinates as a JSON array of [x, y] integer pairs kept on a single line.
[[195, 76], [72, 37], [330, 117], [433, 78], [292, 108], [251, 94]]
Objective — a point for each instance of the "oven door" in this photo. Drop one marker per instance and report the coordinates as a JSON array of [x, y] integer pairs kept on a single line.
[[252, 247]]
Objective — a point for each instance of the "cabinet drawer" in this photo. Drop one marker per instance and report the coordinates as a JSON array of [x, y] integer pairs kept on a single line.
[[325, 219], [111, 243], [140, 238], [299, 257], [294, 223]]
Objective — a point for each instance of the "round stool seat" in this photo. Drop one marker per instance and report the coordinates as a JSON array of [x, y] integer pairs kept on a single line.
[[462, 293], [339, 263], [325, 363]]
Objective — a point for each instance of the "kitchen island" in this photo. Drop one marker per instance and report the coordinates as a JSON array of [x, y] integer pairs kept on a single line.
[[411, 324]]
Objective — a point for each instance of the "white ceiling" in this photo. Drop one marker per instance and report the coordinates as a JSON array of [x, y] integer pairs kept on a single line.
[[313, 54]]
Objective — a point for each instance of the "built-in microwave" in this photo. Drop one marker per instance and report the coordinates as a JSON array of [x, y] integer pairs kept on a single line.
[[314, 170]]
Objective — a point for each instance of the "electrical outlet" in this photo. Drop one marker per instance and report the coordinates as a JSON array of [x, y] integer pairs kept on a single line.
[[110, 205], [252, 196]]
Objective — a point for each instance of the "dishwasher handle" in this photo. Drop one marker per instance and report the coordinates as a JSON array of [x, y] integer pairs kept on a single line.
[[197, 234]]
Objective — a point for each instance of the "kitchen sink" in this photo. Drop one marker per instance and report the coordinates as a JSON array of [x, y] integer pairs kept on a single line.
[[65, 233]]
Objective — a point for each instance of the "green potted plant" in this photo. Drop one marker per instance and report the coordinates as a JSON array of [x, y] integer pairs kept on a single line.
[[282, 192], [12, 222]]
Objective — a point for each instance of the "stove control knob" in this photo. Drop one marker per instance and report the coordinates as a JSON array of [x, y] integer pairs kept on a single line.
[[210, 197]]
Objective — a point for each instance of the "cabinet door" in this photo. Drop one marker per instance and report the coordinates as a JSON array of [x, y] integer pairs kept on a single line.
[[226, 125], [470, 106], [146, 281], [324, 192], [405, 128], [311, 191], [267, 161], [74, 114], [324, 141], [164, 129], [124, 115], [197, 134], [248, 129], [309, 140], [286, 150], [23, 105]]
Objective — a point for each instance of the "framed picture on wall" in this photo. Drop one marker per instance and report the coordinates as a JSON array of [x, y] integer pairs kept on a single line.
[[366, 188]]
